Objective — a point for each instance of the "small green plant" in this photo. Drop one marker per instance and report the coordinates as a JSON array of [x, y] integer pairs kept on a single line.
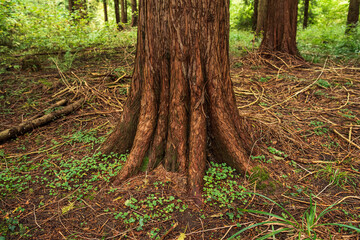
[[323, 83], [287, 223], [277, 152], [319, 127], [347, 113], [261, 158]]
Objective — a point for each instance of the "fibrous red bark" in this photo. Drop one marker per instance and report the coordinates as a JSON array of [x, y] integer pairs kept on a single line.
[[181, 104], [280, 27]]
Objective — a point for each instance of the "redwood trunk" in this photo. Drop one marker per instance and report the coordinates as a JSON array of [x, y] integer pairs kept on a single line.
[[353, 15], [123, 11], [280, 27], [181, 103], [261, 17], [306, 13], [134, 14]]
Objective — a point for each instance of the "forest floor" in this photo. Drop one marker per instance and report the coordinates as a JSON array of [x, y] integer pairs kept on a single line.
[[54, 184]]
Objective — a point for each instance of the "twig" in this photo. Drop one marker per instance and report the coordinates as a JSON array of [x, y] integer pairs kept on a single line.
[[346, 139], [301, 91], [35, 217]]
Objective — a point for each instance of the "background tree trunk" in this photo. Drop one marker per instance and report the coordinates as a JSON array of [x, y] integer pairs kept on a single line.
[[71, 4], [306, 13], [255, 15], [181, 104], [261, 17], [117, 15], [280, 27], [353, 15], [105, 11], [79, 7], [124, 11], [134, 14]]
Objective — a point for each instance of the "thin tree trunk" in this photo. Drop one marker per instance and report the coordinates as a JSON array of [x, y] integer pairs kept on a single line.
[[255, 15], [181, 103], [306, 13], [281, 27], [117, 15], [105, 11], [261, 17], [134, 14], [71, 4], [124, 11], [353, 16]]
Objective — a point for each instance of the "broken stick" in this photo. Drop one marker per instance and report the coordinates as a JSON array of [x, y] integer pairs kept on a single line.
[[30, 125]]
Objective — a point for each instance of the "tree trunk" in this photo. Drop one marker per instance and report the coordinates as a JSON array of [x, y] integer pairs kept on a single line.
[[280, 27], [134, 14], [261, 17], [105, 11], [71, 4], [255, 15], [353, 16], [181, 103], [117, 15], [124, 11], [79, 8], [306, 13]]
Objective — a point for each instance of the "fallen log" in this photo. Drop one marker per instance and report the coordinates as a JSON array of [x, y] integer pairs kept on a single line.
[[30, 125]]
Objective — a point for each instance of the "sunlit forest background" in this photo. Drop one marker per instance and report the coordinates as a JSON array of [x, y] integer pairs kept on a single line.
[[30, 26]]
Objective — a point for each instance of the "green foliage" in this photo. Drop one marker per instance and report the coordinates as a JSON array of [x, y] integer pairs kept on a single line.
[[154, 208], [320, 41], [336, 176], [287, 223], [319, 127], [221, 188], [241, 12], [241, 42]]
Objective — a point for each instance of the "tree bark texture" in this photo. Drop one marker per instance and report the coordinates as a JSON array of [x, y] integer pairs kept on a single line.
[[134, 13], [255, 15], [181, 104], [124, 11], [105, 11], [117, 15], [261, 17], [280, 27], [306, 13], [353, 15]]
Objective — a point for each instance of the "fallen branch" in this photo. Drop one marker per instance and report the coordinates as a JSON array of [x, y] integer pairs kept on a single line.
[[30, 125]]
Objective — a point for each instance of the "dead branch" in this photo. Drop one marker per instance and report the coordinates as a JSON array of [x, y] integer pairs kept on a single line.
[[29, 125]]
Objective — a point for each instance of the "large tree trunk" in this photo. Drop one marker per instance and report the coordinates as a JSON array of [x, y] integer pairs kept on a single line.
[[261, 17], [124, 11], [105, 11], [353, 15], [134, 14], [280, 27], [306, 13], [117, 15], [181, 104]]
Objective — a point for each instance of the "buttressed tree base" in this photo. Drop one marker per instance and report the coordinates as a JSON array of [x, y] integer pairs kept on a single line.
[[181, 106]]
